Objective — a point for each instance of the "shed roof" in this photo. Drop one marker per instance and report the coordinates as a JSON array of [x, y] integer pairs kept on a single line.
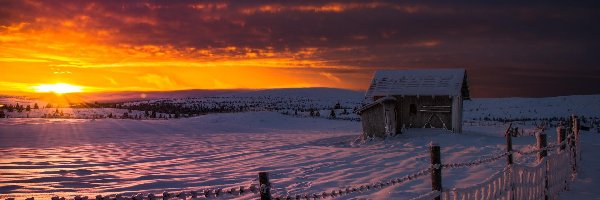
[[422, 82]]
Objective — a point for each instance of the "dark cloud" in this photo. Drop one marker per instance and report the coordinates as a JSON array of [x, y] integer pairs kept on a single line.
[[509, 47]]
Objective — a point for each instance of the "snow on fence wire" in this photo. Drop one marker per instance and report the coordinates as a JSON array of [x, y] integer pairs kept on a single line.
[[359, 188], [548, 178], [538, 130], [218, 193], [545, 180]]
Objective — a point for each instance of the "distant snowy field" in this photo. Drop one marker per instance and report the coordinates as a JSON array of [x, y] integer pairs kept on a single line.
[[70, 157]]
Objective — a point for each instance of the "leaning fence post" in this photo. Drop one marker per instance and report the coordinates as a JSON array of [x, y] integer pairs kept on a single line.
[[560, 136], [542, 143], [509, 149], [576, 125], [572, 140], [436, 168], [265, 186]]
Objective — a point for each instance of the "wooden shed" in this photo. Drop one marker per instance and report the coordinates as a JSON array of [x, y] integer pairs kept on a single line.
[[398, 99]]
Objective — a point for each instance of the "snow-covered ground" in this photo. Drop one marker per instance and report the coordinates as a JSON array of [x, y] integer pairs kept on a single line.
[[68, 157], [536, 108]]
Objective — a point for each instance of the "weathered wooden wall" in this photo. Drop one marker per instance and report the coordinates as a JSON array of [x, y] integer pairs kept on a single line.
[[406, 119], [373, 121], [449, 111]]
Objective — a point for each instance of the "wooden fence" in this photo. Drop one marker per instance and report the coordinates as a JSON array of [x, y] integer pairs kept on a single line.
[[556, 167]]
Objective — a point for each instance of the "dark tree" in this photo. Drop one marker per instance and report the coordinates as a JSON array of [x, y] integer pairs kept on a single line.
[[28, 108], [332, 114], [35, 106], [19, 107]]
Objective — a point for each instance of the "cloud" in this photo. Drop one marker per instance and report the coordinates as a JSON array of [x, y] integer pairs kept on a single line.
[[112, 81], [22, 60], [350, 39], [161, 82], [330, 76], [220, 85]]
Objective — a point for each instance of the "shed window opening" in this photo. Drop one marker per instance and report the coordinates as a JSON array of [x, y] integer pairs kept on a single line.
[[413, 109]]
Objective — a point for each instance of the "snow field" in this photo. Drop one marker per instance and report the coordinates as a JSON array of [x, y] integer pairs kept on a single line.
[[302, 155]]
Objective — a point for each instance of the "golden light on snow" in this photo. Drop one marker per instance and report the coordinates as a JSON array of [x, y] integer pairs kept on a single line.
[[58, 88]]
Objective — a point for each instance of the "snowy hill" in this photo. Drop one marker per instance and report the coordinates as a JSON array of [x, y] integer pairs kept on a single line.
[[301, 101], [548, 107], [324, 93], [67, 157]]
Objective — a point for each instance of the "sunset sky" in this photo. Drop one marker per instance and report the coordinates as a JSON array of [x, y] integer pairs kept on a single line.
[[509, 48]]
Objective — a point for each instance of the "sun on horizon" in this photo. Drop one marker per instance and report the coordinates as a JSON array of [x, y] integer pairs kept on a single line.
[[57, 88]]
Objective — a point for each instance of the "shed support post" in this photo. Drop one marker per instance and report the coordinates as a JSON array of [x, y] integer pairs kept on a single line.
[[457, 114], [389, 116]]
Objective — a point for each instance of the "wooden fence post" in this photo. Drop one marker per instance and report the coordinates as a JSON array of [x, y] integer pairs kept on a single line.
[[542, 142], [265, 186], [509, 156], [573, 140], [577, 125], [560, 136], [436, 173]]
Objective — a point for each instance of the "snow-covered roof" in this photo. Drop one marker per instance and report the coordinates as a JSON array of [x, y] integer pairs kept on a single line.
[[373, 103], [422, 82]]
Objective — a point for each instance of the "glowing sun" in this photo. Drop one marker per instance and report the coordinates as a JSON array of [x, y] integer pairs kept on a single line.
[[58, 88]]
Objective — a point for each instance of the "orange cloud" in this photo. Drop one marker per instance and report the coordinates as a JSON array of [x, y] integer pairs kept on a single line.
[[330, 76], [325, 8], [161, 82], [90, 58]]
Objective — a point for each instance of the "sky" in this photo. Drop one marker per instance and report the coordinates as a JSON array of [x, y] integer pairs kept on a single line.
[[509, 48]]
